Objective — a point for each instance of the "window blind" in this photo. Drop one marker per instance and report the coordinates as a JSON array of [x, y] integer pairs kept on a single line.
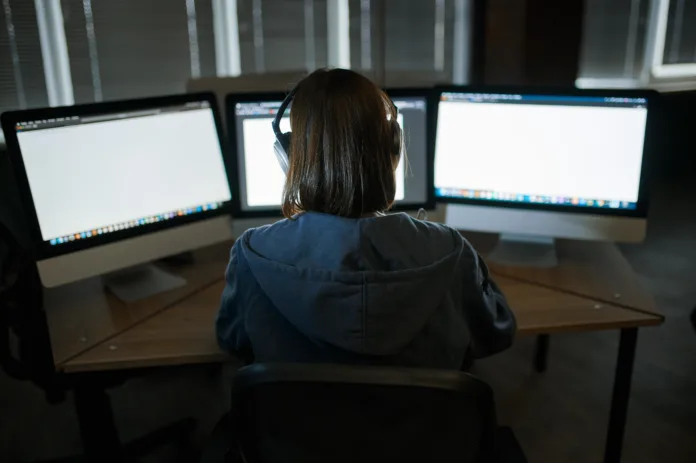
[[613, 42], [22, 80], [680, 41], [419, 36], [281, 35], [133, 48]]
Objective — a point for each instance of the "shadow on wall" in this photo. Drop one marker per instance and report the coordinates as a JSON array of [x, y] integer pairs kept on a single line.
[[10, 208], [675, 153]]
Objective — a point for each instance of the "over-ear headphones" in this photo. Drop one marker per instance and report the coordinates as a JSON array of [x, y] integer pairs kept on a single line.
[[282, 142], [281, 146]]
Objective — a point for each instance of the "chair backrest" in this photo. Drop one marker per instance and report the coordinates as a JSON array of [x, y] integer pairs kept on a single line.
[[340, 413]]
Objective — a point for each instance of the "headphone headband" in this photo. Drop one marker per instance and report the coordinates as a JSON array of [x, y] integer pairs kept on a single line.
[[281, 112], [282, 143]]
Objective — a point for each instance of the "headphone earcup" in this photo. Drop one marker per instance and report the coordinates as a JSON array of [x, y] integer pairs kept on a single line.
[[282, 151], [397, 141]]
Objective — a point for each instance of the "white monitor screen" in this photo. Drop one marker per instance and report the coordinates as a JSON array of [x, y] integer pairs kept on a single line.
[[583, 151], [93, 175], [262, 180]]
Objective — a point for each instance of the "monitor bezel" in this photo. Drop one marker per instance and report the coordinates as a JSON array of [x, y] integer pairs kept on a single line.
[[275, 212], [647, 165], [41, 249], [231, 101]]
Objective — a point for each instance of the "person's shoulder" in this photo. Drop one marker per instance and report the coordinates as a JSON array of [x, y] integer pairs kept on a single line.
[[440, 232], [287, 240], [265, 231], [432, 229], [269, 236]]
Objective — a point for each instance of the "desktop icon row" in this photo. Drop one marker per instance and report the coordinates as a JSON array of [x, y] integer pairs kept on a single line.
[[133, 223], [533, 199]]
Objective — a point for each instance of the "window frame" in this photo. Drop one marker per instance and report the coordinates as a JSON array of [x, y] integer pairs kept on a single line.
[[659, 19], [654, 74]]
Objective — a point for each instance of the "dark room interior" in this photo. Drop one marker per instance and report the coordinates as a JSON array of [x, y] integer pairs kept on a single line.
[[85, 371]]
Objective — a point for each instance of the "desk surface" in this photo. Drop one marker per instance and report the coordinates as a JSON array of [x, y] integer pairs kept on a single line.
[[593, 288], [588, 269], [82, 315]]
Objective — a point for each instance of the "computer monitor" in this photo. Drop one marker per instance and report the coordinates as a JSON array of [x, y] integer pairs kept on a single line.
[[111, 185], [258, 188], [536, 164]]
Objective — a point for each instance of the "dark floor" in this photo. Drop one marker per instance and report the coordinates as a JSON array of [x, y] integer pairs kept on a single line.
[[561, 415], [558, 416]]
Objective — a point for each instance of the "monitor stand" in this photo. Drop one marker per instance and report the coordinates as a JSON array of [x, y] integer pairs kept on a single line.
[[524, 251], [141, 282]]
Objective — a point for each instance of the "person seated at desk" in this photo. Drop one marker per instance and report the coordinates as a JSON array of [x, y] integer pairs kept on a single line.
[[340, 281]]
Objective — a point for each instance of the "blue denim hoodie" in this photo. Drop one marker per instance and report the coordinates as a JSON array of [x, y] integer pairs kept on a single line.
[[381, 290]]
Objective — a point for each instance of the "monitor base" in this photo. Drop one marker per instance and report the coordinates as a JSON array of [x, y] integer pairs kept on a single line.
[[141, 282], [524, 251]]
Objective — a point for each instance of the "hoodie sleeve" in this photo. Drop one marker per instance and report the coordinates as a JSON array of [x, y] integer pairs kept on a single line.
[[489, 317], [231, 318]]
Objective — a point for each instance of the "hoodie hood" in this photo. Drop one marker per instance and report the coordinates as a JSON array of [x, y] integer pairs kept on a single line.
[[365, 285]]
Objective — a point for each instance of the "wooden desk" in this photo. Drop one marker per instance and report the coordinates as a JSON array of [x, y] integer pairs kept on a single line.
[[593, 288], [82, 316], [597, 271], [184, 333]]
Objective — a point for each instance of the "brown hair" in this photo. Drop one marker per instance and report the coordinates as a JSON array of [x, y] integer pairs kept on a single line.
[[344, 147]]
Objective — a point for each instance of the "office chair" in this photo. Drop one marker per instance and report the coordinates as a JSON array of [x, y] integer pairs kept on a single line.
[[339, 413]]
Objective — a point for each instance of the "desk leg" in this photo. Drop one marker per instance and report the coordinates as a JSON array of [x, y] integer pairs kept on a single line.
[[541, 352], [100, 440], [620, 396]]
